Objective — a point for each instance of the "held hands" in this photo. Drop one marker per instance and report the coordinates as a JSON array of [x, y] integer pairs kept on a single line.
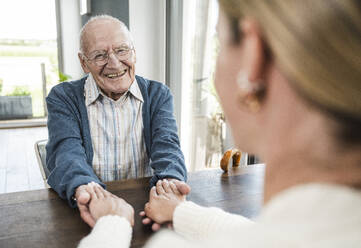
[[163, 199], [105, 203], [94, 202], [82, 196]]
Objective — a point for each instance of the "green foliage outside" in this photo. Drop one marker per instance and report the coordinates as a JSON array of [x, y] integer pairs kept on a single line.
[[20, 91], [36, 49], [19, 42], [63, 77]]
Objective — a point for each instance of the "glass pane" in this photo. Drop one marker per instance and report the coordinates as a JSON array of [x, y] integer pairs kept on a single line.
[[28, 57], [208, 138]]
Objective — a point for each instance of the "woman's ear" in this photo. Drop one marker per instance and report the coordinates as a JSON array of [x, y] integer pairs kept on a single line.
[[83, 63], [253, 50]]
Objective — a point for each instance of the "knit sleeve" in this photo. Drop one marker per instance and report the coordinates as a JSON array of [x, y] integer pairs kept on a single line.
[[109, 231], [166, 238], [195, 222], [166, 156], [66, 152]]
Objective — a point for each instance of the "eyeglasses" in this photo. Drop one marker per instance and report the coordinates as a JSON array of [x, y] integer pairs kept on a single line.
[[101, 58]]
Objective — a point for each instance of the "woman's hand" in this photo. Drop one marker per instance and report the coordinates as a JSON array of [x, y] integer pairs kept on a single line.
[[105, 203], [163, 199]]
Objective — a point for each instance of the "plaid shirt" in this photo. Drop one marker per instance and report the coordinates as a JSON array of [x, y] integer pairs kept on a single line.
[[116, 129]]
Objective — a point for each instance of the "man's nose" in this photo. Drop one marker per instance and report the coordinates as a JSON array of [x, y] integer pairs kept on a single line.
[[113, 61]]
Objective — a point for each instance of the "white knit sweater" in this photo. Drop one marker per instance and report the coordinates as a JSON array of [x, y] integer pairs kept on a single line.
[[311, 216]]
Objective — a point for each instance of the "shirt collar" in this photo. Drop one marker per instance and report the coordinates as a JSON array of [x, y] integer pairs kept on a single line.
[[93, 93], [135, 91], [91, 89]]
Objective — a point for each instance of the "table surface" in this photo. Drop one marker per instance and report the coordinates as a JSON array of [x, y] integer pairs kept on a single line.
[[41, 219]]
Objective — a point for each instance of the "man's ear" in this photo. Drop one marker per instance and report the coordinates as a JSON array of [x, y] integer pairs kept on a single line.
[[254, 50], [83, 63], [135, 56]]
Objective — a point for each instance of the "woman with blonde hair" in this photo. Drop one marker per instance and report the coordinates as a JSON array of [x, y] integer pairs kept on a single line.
[[289, 80]]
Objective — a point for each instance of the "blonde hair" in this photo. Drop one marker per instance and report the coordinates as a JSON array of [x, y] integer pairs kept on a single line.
[[316, 44]]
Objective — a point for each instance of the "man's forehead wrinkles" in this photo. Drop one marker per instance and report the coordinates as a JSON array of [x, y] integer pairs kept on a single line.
[[102, 40]]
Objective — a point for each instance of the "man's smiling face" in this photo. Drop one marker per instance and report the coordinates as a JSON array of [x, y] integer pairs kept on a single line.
[[106, 37]]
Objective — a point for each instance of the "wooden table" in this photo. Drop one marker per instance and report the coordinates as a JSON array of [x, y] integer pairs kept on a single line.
[[41, 219]]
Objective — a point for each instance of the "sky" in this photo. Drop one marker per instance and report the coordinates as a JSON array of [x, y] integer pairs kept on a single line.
[[27, 19]]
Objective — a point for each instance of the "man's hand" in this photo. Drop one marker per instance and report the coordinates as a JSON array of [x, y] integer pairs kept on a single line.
[[83, 197], [181, 187], [105, 203], [82, 200]]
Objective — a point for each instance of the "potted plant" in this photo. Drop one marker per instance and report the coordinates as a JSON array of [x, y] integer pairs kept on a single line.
[[63, 77], [16, 105]]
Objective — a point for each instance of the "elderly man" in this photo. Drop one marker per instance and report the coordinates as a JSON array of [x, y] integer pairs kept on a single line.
[[111, 124]]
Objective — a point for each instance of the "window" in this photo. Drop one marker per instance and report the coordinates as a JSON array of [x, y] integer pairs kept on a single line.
[[28, 57], [204, 132]]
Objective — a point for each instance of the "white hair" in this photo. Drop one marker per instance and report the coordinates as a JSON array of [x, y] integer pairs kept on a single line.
[[97, 18]]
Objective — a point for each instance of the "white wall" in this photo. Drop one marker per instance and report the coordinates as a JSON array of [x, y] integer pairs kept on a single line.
[[70, 27], [147, 25]]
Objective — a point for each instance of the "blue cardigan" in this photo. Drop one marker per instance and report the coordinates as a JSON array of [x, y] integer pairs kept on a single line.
[[69, 149]]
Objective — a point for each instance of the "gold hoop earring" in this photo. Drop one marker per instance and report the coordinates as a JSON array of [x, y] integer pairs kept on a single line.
[[250, 93]]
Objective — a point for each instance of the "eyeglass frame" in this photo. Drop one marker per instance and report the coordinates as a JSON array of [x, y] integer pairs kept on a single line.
[[106, 60]]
